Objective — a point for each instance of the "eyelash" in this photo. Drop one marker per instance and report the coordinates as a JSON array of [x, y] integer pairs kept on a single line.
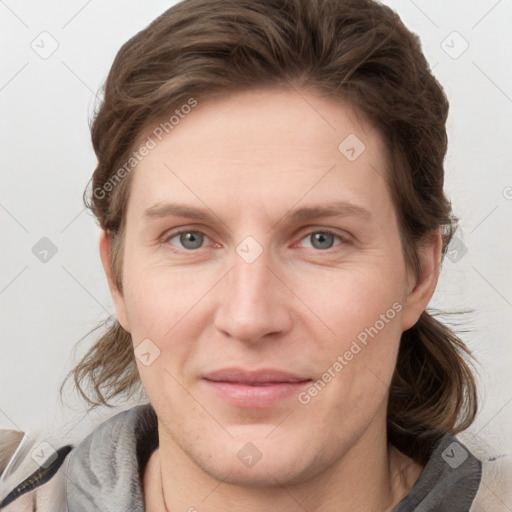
[[166, 239]]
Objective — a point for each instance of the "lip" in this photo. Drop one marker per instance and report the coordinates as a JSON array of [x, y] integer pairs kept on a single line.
[[254, 388], [261, 376]]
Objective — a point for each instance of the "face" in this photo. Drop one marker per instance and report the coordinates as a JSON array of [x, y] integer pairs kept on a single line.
[[264, 285]]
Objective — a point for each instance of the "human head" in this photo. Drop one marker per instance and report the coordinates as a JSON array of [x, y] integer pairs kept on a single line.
[[356, 51]]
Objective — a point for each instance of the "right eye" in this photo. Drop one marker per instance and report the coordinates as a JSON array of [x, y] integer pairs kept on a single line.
[[188, 240]]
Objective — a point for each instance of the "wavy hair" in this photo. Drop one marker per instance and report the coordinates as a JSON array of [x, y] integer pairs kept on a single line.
[[358, 51]]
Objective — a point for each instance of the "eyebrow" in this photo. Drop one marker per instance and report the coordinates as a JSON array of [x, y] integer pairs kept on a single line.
[[336, 209]]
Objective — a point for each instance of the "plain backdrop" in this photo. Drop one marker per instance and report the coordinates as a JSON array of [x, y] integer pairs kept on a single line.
[[47, 159]]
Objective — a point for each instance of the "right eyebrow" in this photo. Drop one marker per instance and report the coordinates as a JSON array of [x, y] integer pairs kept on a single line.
[[159, 210]]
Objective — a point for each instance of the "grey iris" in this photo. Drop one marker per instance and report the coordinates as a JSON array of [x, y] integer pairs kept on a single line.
[[191, 239], [322, 240]]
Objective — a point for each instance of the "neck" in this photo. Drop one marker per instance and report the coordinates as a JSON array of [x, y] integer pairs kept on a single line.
[[371, 476]]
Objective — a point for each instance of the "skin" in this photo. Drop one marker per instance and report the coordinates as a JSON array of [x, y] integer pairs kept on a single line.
[[251, 158]]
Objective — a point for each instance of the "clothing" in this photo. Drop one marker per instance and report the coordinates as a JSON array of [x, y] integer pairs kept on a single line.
[[104, 472]]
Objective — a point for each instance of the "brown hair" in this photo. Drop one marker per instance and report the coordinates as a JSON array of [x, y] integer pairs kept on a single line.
[[357, 51]]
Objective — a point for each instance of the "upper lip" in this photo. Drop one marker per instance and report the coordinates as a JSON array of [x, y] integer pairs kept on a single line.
[[264, 375]]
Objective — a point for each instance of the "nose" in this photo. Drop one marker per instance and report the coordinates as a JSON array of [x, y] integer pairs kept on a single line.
[[253, 303]]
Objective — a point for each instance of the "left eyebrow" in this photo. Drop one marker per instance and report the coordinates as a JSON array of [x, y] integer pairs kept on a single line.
[[337, 209]]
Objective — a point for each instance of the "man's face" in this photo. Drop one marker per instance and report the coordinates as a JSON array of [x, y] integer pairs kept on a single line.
[[293, 265]]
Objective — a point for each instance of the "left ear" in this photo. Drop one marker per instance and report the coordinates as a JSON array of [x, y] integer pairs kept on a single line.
[[422, 288]]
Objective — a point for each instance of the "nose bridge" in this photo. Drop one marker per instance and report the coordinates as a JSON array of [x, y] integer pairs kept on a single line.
[[251, 305], [250, 277], [250, 286]]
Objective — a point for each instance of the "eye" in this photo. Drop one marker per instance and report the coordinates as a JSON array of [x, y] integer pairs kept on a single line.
[[192, 240], [322, 239], [189, 240]]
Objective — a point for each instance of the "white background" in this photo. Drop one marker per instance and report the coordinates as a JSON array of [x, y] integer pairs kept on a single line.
[[47, 160]]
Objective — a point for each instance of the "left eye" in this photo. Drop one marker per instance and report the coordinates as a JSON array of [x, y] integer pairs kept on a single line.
[[322, 239]]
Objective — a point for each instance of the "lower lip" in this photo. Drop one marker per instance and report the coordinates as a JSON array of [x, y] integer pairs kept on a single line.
[[256, 397]]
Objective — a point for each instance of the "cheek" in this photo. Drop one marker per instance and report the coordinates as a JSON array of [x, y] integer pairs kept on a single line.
[[355, 364], [163, 306], [356, 328], [346, 301], [159, 297]]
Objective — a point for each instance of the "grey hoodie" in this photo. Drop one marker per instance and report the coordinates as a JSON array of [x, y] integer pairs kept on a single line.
[[103, 473]]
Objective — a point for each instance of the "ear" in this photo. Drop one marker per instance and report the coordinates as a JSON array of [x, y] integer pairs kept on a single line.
[[422, 288], [117, 296]]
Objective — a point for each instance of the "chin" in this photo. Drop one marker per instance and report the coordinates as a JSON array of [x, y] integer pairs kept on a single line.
[[258, 463], [271, 473]]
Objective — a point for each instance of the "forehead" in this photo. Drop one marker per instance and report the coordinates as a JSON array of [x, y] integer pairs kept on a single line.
[[263, 149]]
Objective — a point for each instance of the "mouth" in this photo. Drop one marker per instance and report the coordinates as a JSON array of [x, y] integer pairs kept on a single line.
[[254, 388]]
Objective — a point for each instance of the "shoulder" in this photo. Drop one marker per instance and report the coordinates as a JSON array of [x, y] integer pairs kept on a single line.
[[495, 490], [104, 471], [460, 476], [33, 476], [38, 472]]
